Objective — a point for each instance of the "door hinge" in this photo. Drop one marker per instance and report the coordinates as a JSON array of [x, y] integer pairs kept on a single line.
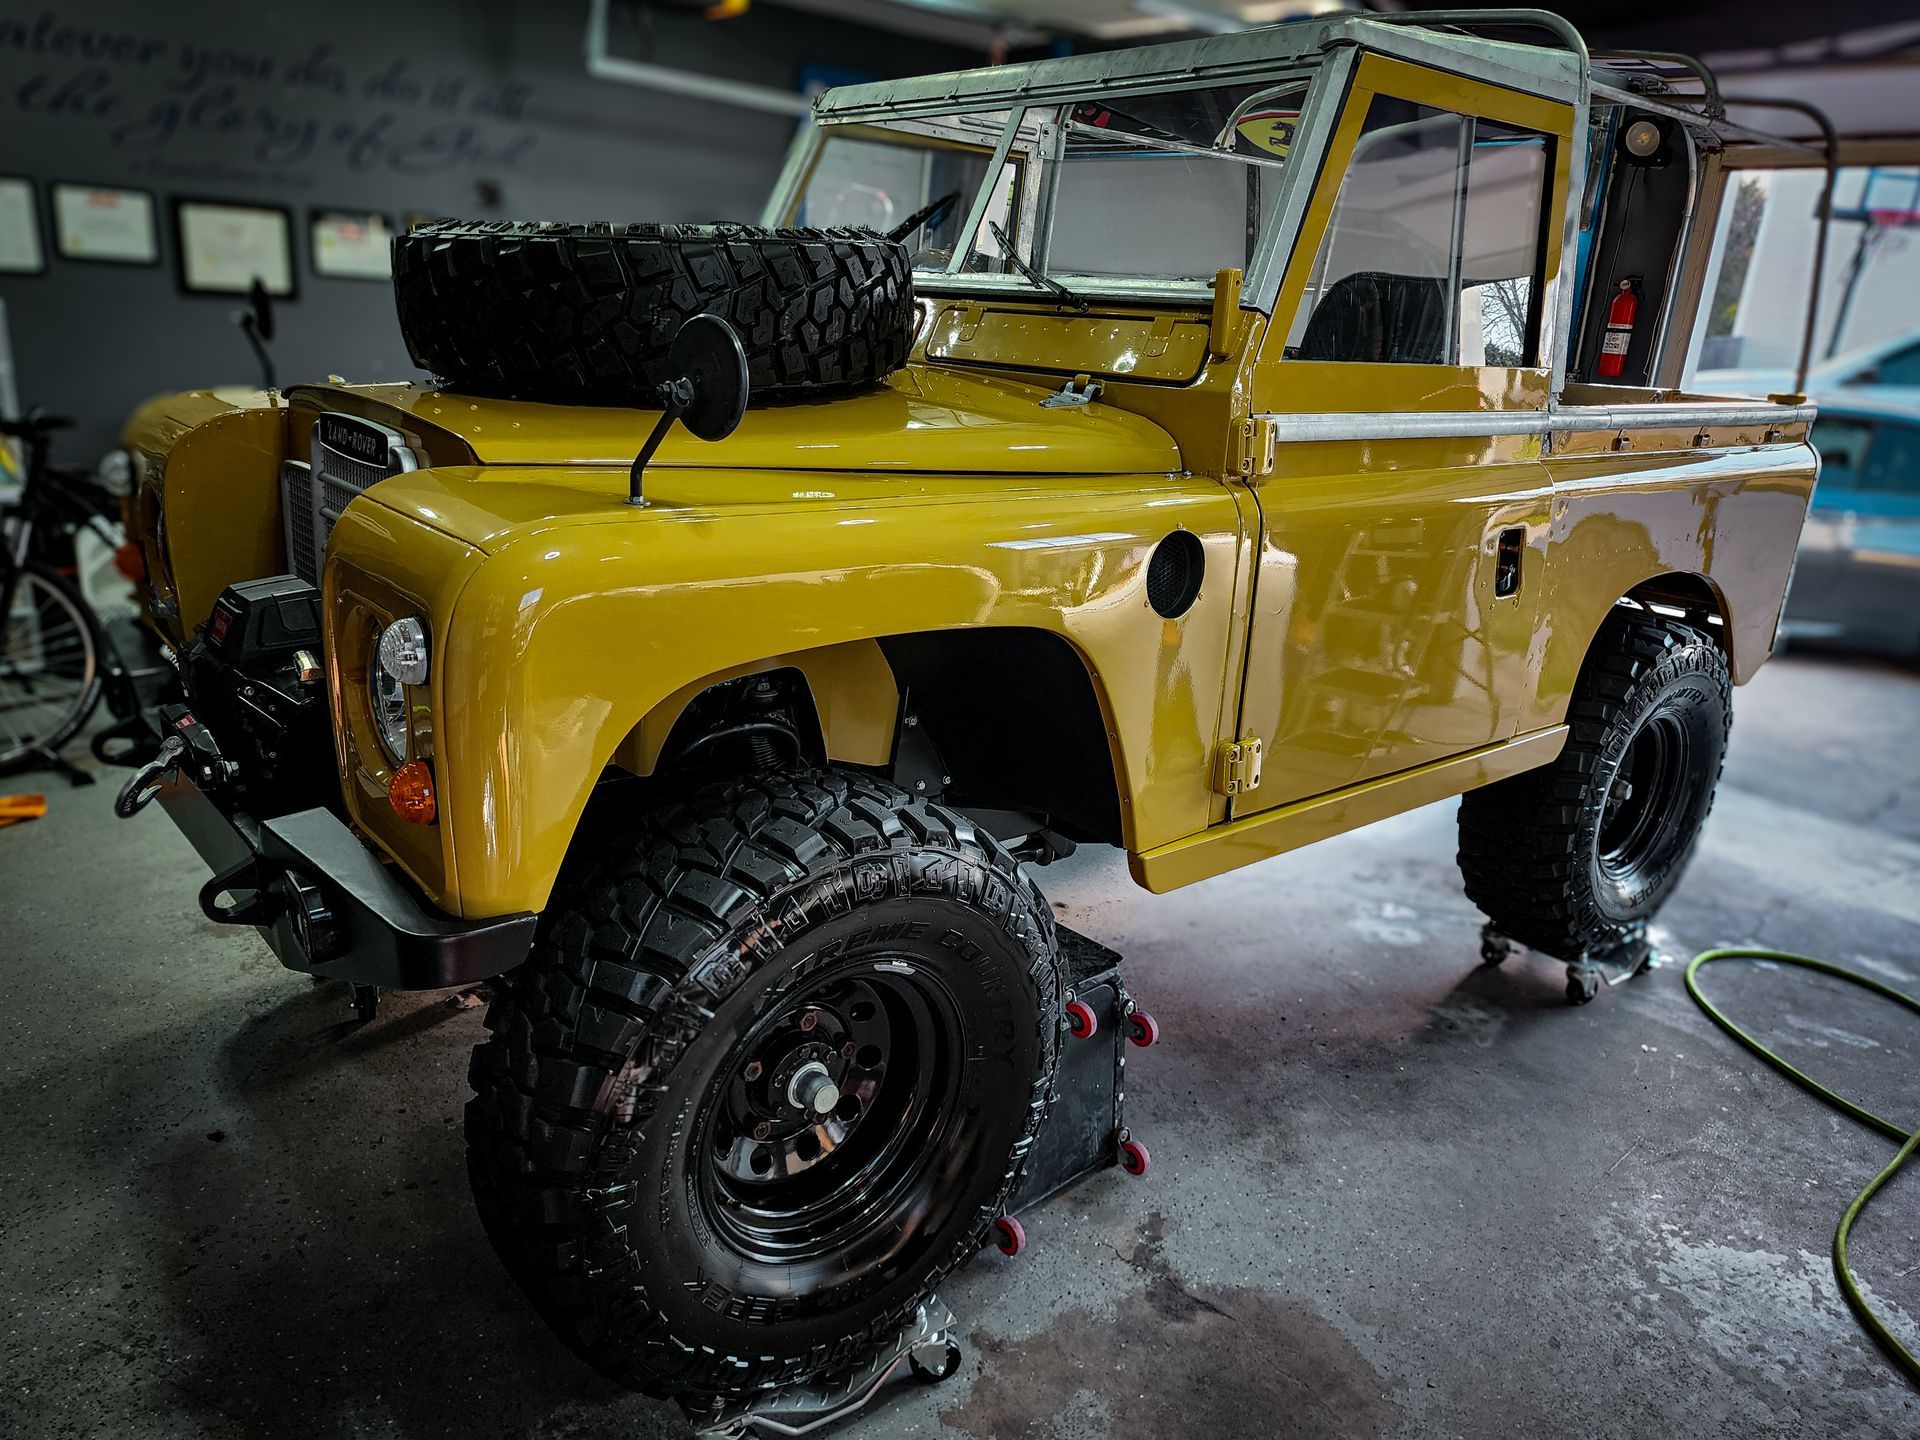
[[1259, 441], [1238, 768]]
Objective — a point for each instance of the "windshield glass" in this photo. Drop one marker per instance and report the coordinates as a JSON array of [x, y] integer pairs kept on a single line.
[[880, 176], [1164, 189]]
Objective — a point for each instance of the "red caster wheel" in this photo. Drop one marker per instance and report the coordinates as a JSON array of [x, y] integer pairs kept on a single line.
[[1134, 1158], [1081, 1020], [1142, 1029], [1009, 1235]]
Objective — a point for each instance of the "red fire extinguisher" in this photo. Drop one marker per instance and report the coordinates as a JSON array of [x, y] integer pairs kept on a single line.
[[1620, 317]]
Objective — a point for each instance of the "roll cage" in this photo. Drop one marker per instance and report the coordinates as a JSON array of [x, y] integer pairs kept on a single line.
[[1322, 54]]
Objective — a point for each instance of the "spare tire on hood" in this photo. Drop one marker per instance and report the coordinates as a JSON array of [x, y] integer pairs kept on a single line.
[[583, 314]]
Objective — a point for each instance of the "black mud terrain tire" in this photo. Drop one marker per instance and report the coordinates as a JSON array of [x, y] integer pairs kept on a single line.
[[1574, 858], [584, 314], [777, 961]]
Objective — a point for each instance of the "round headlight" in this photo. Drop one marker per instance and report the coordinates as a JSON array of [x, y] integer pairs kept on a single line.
[[389, 698], [403, 651]]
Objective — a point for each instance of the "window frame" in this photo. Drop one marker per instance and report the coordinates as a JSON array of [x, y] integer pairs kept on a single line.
[[1335, 386], [1326, 78], [1466, 124]]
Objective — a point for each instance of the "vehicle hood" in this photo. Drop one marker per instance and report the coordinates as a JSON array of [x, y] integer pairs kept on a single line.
[[921, 420]]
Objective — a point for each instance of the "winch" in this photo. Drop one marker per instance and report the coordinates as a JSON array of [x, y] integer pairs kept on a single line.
[[256, 709]]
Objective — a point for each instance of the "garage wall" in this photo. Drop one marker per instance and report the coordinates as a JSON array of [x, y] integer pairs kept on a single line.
[[1773, 307], [474, 108]]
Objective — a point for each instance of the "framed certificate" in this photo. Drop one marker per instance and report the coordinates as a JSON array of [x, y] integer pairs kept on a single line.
[[225, 247], [20, 250], [97, 223], [351, 245]]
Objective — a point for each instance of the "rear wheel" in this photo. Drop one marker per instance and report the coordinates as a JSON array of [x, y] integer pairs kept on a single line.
[[49, 664], [1576, 857], [770, 1073]]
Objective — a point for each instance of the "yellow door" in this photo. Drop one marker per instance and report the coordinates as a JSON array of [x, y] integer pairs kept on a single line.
[[1403, 526]]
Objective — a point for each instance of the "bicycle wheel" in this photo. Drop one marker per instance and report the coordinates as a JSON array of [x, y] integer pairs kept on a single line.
[[49, 666]]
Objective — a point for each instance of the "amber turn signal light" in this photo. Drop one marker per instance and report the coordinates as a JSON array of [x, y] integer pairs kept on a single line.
[[410, 792]]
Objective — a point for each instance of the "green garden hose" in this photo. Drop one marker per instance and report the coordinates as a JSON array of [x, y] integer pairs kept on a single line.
[[1909, 1140]]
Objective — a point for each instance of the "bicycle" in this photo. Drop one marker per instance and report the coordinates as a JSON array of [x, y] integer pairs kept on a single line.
[[56, 659]]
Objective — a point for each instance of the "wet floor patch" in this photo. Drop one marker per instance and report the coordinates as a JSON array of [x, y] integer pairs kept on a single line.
[[1177, 1359], [1225, 1362]]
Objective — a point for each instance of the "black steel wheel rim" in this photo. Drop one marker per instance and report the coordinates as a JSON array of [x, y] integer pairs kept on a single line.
[[786, 1172], [1646, 818]]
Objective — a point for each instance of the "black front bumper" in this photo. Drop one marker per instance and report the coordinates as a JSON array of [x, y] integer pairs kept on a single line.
[[327, 905]]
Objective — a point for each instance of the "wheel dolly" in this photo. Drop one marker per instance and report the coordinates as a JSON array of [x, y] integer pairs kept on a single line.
[[1586, 975], [1085, 1132]]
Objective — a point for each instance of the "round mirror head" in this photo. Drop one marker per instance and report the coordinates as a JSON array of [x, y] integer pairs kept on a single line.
[[709, 354], [261, 304]]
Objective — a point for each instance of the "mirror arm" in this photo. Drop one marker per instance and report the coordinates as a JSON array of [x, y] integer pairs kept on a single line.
[[675, 396], [251, 329]]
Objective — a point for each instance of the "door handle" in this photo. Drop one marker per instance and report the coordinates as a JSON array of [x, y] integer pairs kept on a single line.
[[1506, 561]]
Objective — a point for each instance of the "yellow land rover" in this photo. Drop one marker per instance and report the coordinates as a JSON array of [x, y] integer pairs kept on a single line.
[[1199, 449]]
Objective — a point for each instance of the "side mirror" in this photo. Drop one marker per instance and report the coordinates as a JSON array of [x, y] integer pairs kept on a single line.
[[260, 307], [255, 320], [707, 391]]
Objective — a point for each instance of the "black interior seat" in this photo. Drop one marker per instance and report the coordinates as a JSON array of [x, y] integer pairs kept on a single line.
[[1372, 315]]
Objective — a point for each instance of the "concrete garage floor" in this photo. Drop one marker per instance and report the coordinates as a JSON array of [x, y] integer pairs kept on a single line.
[[1392, 1194]]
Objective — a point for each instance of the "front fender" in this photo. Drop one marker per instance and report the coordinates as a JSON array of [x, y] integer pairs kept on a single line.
[[571, 632]]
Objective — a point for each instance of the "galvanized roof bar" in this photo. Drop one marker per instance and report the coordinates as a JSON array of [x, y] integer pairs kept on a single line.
[[1715, 108], [1214, 59], [1832, 138]]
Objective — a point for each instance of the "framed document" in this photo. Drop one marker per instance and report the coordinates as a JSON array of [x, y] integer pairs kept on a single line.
[[20, 250], [351, 245], [225, 247], [96, 223]]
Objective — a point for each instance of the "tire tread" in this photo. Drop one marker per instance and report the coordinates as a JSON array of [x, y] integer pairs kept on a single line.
[[638, 975]]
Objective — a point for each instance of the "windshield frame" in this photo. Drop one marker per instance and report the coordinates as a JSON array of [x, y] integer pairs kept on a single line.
[[1324, 76]]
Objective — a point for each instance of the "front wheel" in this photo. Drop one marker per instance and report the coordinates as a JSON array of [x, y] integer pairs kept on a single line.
[[769, 1073], [1575, 858], [50, 663]]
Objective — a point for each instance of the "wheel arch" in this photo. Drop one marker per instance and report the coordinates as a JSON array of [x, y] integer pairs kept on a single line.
[[1695, 598], [1015, 714], [849, 685], [1683, 595]]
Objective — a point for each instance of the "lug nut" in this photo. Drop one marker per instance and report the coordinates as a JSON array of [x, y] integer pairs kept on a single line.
[[809, 1020], [849, 1050], [763, 1131], [753, 1070]]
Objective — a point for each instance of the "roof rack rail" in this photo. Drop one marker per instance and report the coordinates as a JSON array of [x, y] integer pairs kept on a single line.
[[1831, 137], [1470, 20], [1715, 108]]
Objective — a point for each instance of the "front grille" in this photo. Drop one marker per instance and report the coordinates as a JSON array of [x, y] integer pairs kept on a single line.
[[296, 510], [347, 455]]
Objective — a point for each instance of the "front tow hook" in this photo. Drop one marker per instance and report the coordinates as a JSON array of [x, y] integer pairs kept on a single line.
[[146, 782]]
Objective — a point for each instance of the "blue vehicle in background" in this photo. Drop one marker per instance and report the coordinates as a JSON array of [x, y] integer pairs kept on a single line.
[[1858, 576]]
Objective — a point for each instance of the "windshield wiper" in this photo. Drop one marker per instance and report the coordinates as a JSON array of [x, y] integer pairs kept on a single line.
[[925, 215], [1045, 282]]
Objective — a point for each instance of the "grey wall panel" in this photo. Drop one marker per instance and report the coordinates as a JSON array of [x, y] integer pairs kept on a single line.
[[401, 106]]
